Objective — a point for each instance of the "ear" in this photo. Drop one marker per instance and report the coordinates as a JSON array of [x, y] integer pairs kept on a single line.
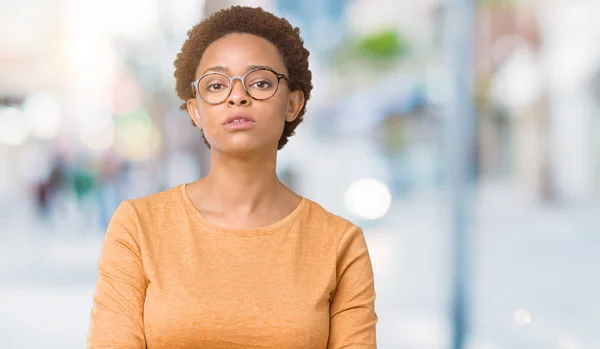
[[192, 108], [294, 105]]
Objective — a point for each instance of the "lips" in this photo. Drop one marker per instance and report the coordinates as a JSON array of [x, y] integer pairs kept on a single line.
[[239, 118], [239, 122]]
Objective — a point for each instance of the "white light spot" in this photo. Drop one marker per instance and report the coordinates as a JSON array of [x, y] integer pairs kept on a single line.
[[43, 115], [13, 129], [100, 140], [368, 198], [566, 342], [522, 317]]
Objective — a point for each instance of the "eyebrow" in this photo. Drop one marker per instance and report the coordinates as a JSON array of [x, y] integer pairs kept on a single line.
[[223, 69]]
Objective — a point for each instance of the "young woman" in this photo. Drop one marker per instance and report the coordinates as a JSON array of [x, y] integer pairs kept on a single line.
[[235, 259]]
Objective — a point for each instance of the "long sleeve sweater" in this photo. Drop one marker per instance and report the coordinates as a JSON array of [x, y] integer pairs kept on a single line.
[[169, 278]]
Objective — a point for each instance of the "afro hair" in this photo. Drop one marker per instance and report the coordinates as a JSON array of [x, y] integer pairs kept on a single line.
[[249, 20]]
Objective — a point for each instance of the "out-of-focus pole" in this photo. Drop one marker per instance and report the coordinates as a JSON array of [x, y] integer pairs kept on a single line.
[[459, 133]]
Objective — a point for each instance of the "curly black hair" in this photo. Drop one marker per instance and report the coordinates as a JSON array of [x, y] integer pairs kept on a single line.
[[249, 20]]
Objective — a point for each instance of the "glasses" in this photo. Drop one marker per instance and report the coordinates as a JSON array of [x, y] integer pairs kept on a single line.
[[260, 84]]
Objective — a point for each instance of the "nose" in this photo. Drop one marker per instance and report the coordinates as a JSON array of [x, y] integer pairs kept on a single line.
[[238, 95]]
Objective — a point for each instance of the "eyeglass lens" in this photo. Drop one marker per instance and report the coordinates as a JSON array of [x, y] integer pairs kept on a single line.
[[260, 84]]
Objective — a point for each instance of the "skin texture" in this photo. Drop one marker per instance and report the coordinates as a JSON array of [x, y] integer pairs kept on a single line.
[[241, 189]]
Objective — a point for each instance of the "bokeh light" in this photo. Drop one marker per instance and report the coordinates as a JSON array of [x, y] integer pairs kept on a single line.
[[368, 198], [136, 137], [101, 139], [567, 342], [43, 115], [522, 317], [133, 130], [13, 129]]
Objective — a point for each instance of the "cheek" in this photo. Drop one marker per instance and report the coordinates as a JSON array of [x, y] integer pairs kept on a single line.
[[208, 115], [276, 110], [279, 108], [276, 116], [208, 122]]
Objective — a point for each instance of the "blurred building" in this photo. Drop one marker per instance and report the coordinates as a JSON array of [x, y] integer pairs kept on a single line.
[[536, 108]]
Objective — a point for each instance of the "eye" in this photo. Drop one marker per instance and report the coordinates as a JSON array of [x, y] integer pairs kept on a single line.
[[262, 84], [215, 87]]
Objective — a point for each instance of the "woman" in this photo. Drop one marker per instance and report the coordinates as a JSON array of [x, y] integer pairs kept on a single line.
[[235, 259]]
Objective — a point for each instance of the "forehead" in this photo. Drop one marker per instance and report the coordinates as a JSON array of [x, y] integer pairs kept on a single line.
[[236, 52]]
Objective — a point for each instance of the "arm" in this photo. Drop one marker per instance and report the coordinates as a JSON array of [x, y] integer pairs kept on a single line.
[[117, 314], [352, 316]]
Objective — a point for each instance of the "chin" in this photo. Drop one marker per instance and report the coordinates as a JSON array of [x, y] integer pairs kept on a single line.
[[246, 147]]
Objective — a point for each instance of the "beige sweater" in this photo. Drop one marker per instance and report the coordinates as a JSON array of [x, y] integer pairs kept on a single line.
[[168, 278]]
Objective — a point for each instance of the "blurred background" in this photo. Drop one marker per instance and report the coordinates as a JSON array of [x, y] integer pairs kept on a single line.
[[89, 117]]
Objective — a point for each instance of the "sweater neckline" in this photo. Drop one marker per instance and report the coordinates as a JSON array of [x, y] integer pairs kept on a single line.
[[264, 230]]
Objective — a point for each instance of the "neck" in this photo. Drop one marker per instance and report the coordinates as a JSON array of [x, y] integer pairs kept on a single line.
[[242, 184]]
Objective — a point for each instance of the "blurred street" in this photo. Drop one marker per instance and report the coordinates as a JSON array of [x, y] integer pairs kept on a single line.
[[89, 116]]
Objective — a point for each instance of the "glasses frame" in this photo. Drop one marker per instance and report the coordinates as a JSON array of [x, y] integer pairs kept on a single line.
[[242, 80]]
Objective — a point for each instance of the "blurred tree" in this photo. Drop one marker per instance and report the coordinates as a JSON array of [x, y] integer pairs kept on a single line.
[[383, 45], [378, 49]]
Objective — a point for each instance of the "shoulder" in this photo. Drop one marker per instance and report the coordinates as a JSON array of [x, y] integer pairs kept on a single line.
[[152, 215], [326, 221], [156, 204]]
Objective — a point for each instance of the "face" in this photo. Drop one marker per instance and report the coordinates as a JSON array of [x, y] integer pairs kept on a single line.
[[235, 55]]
